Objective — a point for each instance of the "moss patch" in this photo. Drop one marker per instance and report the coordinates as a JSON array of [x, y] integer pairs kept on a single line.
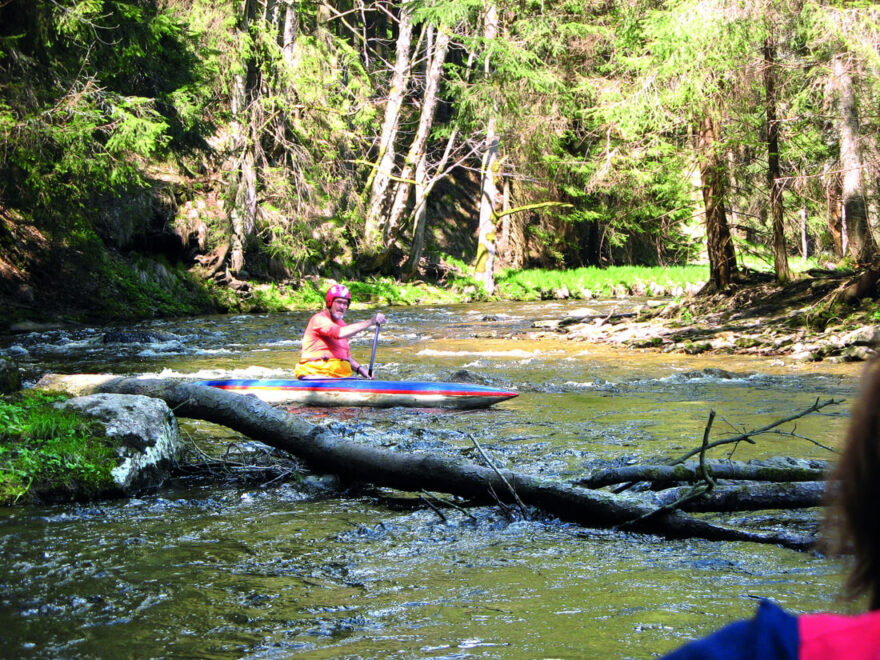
[[51, 454]]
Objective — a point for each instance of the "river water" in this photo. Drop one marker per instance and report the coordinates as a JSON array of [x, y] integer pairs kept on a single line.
[[202, 569]]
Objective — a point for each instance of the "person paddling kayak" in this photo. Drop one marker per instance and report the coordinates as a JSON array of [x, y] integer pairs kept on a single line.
[[325, 350]]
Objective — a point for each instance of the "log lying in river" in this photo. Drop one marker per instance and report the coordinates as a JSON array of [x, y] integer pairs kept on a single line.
[[663, 475], [750, 496], [325, 452]]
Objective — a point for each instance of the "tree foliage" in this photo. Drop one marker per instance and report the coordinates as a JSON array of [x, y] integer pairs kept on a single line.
[[275, 110]]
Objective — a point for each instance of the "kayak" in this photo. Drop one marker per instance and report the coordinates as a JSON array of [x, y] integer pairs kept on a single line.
[[374, 393]]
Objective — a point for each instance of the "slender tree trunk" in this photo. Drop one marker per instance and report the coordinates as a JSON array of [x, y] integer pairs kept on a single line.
[[380, 177], [750, 497], [243, 187], [774, 177], [288, 32], [436, 49], [664, 476], [722, 258], [859, 243], [484, 268], [518, 239], [834, 212], [420, 206], [805, 244], [503, 245]]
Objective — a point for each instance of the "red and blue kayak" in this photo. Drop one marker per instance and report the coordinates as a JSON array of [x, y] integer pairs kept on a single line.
[[328, 392]]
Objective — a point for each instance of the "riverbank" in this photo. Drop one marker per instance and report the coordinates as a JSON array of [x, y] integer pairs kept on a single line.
[[813, 318]]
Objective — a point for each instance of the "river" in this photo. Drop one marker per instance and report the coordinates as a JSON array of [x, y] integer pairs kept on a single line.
[[202, 569]]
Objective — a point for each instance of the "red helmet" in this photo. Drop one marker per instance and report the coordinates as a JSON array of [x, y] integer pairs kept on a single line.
[[337, 291]]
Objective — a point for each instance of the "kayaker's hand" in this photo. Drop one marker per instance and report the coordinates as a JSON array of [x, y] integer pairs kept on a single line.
[[378, 319], [362, 371]]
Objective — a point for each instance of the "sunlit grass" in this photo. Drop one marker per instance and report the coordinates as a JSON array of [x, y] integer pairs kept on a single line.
[[591, 282]]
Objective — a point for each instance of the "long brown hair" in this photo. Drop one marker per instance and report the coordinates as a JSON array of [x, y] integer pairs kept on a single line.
[[854, 511]]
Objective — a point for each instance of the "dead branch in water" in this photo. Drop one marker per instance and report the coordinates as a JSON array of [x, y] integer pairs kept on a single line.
[[326, 452]]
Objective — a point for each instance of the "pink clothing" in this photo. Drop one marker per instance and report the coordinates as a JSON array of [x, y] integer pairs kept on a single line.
[[774, 634], [824, 636], [321, 339]]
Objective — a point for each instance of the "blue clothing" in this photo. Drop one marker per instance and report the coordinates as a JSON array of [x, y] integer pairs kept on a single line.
[[771, 635]]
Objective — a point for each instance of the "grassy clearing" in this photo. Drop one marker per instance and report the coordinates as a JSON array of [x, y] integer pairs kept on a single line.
[[591, 282], [759, 260], [532, 284], [54, 450]]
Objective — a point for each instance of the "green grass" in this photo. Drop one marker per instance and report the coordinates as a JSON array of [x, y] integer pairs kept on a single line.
[[591, 282], [764, 264], [56, 450]]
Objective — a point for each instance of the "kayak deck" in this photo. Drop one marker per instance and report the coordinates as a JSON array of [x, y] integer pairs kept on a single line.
[[330, 392]]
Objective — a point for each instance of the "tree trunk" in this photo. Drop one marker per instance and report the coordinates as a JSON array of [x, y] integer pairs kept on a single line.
[[436, 49], [722, 258], [661, 476], [834, 213], [380, 177], [749, 497], [805, 243], [860, 244], [774, 178], [503, 245], [420, 204], [484, 267], [325, 452], [243, 187], [288, 32]]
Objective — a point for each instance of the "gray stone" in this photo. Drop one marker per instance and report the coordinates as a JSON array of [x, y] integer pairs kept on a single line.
[[858, 353], [10, 379], [867, 336], [147, 430]]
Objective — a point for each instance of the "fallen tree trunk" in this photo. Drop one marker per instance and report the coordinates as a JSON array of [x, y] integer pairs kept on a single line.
[[325, 452], [661, 476], [748, 497]]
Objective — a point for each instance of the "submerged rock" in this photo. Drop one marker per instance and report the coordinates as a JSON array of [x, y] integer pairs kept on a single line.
[[135, 337], [10, 379], [147, 431]]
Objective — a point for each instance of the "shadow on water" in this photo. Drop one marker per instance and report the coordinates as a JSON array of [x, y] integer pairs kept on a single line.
[[287, 570]]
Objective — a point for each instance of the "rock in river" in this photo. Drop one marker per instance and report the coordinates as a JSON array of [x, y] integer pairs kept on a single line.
[[147, 430]]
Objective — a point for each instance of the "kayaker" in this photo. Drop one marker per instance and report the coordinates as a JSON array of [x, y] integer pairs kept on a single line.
[[325, 351], [854, 524]]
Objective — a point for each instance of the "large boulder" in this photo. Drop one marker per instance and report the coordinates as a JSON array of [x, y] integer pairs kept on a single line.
[[148, 432]]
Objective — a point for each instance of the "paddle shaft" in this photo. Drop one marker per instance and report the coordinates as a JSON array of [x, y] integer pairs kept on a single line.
[[375, 343]]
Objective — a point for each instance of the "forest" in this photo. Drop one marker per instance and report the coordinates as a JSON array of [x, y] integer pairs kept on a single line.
[[152, 142]]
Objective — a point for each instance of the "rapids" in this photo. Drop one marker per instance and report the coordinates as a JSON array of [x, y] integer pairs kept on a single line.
[[202, 569]]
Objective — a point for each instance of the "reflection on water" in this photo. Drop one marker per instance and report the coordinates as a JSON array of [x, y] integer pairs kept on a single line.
[[203, 570]]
